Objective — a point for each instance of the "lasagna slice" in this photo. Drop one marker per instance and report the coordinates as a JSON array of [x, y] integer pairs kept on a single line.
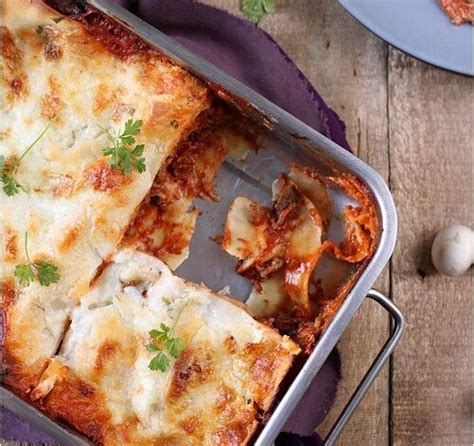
[[71, 90], [212, 390]]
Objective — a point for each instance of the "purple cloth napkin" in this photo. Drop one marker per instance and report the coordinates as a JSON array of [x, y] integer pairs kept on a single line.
[[252, 56], [244, 51]]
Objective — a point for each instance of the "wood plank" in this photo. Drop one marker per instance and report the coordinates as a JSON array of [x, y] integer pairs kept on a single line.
[[347, 65], [431, 131]]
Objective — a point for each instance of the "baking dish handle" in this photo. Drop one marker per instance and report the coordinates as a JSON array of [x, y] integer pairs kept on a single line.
[[374, 369]]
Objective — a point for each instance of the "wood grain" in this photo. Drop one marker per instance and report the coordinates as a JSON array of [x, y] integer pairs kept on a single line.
[[431, 137]]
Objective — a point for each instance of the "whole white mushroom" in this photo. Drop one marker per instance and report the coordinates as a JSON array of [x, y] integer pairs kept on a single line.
[[452, 252]]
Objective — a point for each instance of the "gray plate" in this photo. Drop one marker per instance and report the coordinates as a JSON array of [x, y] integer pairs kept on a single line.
[[420, 28]]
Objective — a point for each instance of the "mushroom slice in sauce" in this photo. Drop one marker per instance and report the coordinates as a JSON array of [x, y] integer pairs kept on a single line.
[[285, 240]]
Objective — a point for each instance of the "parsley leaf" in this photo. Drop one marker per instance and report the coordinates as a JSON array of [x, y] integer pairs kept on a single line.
[[153, 333], [152, 348], [254, 10], [132, 128], [175, 346], [121, 157], [160, 362], [10, 185], [25, 274], [269, 6], [45, 272], [57, 19], [169, 347], [163, 334]]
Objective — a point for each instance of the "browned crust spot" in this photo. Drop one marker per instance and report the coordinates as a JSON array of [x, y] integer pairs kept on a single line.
[[11, 245], [268, 364], [191, 424], [63, 186], [104, 178], [105, 353], [230, 344], [80, 404], [51, 103], [188, 371], [14, 75], [236, 431], [14, 373], [105, 97], [52, 51], [69, 239]]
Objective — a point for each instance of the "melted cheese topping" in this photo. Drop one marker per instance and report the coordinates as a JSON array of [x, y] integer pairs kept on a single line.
[[228, 373], [77, 207]]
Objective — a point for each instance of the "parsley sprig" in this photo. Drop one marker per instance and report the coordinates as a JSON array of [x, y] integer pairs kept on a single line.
[[254, 10], [165, 345], [122, 156], [8, 168], [43, 271]]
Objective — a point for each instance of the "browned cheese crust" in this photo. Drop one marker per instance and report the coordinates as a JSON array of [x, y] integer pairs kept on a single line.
[[214, 393], [77, 76]]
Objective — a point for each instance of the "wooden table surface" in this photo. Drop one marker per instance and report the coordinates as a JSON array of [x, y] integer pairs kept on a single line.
[[414, 124]]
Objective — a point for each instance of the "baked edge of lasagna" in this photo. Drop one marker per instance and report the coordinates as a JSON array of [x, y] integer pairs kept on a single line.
[[215, 392], [28, 312]]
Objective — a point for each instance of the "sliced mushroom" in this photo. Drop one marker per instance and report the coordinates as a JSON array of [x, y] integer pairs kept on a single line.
[[246, 234], [285, 242], [314, 189], [270, 297], [302, 233]]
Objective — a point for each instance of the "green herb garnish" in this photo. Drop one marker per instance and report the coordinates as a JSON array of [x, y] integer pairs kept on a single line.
[[11, 186], [57, 19], [166, 300], [166, 347], [254, 10], [45, 272], [122, 156]]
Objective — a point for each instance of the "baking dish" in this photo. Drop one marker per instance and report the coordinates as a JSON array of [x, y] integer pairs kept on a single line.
[[290, 141]]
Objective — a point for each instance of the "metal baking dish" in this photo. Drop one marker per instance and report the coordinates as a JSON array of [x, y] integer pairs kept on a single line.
[[286, 140]]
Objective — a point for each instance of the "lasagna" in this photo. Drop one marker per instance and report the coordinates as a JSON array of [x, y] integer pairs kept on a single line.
[[214, 393], [59, 76], [105, 145]]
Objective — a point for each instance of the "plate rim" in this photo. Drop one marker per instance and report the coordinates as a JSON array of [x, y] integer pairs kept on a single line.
[[392, 40]]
